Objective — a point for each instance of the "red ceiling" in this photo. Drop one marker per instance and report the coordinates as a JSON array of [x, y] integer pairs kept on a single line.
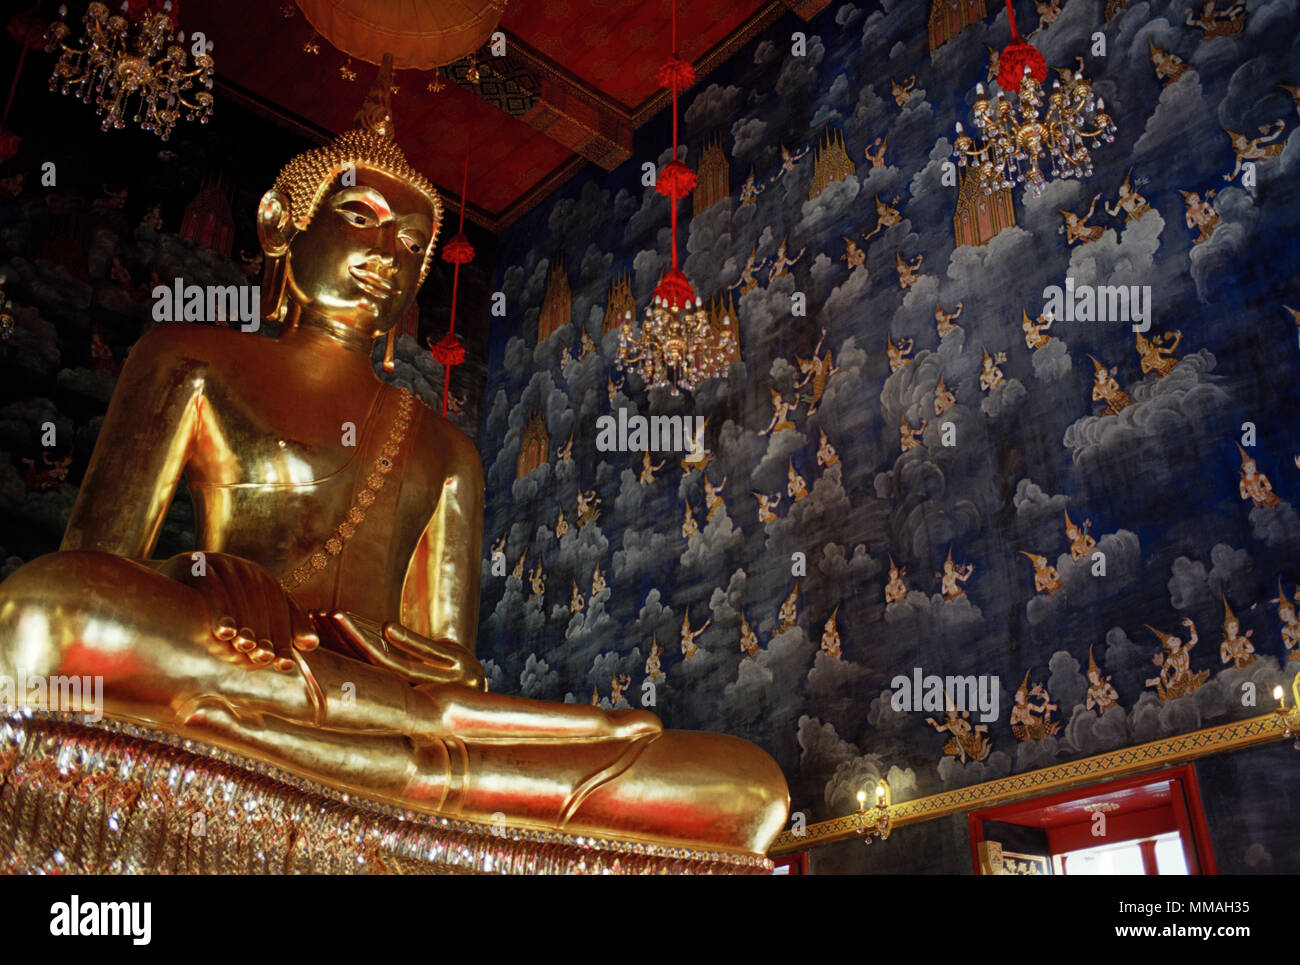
[[606, 51], [616, 45]]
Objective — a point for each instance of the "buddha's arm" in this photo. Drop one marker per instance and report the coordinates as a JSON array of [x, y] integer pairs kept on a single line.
[[440, 593], [140, 453]]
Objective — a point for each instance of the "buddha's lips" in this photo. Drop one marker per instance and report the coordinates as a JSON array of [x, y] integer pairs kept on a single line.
[[371, 283]]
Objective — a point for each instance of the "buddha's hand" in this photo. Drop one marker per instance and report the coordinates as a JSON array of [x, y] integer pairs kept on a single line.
[[420, 659], [251, 613]]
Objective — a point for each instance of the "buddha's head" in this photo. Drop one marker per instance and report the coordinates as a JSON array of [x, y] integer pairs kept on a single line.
[[349, 228]]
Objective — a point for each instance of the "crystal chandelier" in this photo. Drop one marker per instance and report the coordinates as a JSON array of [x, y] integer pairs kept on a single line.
[[677, 346], [1015, 135], [137, 71]]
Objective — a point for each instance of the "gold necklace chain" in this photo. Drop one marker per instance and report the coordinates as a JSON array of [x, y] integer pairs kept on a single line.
[[356, 514]]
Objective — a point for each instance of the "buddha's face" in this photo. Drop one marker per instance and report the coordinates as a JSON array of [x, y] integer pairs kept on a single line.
[[358, 261]]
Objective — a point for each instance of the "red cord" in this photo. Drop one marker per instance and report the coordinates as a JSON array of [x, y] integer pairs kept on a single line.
[[455, 287], [1011, 16]]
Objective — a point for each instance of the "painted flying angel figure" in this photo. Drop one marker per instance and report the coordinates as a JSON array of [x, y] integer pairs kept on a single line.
[[909, 271], [788, 162], [1076, 227], [831, 638], [1218, 23], [899, 355], [780, 414], [613, 388], [1236, 648], [561, 526], [1169, 66], [1035, 331], [565, 452], [853, 256], [696, 460], [690, 528], [1028, 722], [990, 375], [618, 685], [1157, 353], [595, 696], [908, 437], [943, 398], [537, 580], [749, 191], [576, 601], [1201, 215], [52, 476], [816, 370], [795, 487], [767, 506], [499, 546], [1046, 580], [895, 588], [1129, 201], [945, 322], [789, 612], [887, 215], [1105, 388], [877, 157], [1286, 612], [826, 454], [1048, 13], [597, 581], [648, 469], [748, 279], [588, 346], [697, 456], [1101, 695], [1254, 484], [781, 264], [953, 575], [653, 671], [965, 742], [749, 645], [588, 507], [1081, 544], [566, 358], [518, 573], [1176, 678], [1262, 148], [713, 498], [902, 92], [689, 647], [1295, 317]]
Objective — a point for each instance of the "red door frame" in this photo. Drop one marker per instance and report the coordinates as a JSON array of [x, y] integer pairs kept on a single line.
[[1184, 798]]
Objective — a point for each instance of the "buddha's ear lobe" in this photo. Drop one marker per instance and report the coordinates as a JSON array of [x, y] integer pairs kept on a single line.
[[274, 224]]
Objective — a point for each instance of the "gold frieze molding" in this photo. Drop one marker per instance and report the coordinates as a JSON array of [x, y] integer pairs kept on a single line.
[[1152, 755]]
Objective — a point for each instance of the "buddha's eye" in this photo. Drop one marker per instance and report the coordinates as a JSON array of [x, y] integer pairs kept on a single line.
[[413, 245], [352, 213]]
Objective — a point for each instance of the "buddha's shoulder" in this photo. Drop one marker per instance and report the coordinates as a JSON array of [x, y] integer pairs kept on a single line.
[[438, 432], [187, 344]]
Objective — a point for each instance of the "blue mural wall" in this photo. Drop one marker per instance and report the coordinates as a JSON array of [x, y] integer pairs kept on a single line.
[[1140, 448]]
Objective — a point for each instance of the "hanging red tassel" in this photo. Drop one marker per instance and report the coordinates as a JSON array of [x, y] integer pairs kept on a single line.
[[458, 250], [675, 180], [1016, 56], [450, 351]]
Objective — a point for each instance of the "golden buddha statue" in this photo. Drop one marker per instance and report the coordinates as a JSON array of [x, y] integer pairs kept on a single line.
[[326, 626]]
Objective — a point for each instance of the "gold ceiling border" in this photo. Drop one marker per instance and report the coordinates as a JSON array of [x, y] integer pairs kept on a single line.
[[1125, 761]]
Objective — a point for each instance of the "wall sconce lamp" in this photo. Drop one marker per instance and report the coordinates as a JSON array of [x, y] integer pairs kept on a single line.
[[1288, 717], [874, 822]]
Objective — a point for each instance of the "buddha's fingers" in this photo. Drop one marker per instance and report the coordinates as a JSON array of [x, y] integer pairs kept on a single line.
[[367, 638], [441, 655]]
